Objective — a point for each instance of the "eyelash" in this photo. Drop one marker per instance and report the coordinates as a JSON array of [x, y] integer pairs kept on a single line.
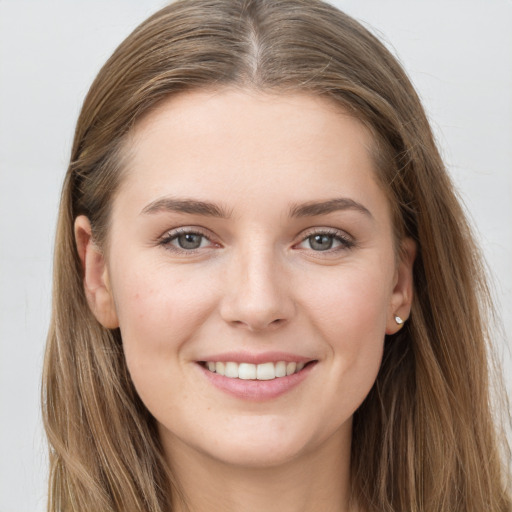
[[168, 238], [345, 242]]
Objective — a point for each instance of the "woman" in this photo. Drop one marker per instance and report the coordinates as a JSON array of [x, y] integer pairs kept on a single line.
[[266, 293]]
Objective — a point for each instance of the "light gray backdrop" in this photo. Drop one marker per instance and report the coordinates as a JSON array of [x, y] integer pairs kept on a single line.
[[458, 53]]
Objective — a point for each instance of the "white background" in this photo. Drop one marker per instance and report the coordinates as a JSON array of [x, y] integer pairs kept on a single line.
[[458, 53]]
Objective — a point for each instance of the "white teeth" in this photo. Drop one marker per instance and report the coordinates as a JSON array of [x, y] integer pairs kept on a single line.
[[248, 371], [219, 368], [281, 369], [231, 370], [290, 368], [265, 371]]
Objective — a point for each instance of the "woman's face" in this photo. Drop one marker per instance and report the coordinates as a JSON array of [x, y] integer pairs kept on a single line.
[[250, 236]]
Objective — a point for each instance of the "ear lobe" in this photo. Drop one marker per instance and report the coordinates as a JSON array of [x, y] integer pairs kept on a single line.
[[95, 275], [401, 299]]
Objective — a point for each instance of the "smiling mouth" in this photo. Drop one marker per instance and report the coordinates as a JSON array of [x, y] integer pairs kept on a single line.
[[249, 371]]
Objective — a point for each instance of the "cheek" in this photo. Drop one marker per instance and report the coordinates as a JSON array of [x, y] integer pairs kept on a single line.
[[351, 304], [350, 312], [160, 313]]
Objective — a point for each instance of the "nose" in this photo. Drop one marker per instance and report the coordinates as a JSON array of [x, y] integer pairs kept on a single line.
[[257, 292]]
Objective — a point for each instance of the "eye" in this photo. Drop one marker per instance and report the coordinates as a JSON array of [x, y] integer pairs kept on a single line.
[[326, 241], [185, 240], [189, 241], [320, 242]]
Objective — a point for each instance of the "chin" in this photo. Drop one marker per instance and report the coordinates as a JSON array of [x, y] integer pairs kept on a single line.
[[257, 455], [266, 442]]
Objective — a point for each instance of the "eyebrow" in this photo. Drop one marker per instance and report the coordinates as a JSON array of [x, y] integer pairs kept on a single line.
[[324, 207], [207, 209], [192, 206]]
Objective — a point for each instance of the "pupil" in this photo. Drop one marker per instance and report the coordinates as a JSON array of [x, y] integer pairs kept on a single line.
[[189, 241], [320, 242]]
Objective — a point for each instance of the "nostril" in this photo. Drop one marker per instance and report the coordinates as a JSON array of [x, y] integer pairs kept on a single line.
[[259, 325], [278, 322]]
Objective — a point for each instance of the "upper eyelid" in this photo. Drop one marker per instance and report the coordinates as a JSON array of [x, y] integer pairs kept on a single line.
[[324, 230], [173, 232]]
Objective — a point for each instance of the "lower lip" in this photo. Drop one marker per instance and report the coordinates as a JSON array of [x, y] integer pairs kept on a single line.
[[257, 390]]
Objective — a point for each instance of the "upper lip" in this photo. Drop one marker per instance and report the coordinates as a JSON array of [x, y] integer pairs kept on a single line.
[[263, 357]]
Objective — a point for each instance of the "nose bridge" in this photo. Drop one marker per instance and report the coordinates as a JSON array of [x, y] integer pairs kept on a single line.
[[257, 293]]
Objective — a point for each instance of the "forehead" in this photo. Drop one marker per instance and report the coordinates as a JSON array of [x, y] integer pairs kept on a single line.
[[235, 114], [231, 144]]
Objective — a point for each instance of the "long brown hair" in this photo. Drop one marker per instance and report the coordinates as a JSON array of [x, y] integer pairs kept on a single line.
[[424, 438]]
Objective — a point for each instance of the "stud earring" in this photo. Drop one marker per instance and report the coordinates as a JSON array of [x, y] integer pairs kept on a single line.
[[399, 321]]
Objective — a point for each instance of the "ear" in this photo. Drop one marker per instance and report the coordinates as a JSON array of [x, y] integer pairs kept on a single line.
[[401, 299], [96, 279]]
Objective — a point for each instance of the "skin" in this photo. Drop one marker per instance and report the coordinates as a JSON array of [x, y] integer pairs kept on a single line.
[[255, 284]]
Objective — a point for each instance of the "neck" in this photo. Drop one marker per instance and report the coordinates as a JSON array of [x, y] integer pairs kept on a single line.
[[312, 481]]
